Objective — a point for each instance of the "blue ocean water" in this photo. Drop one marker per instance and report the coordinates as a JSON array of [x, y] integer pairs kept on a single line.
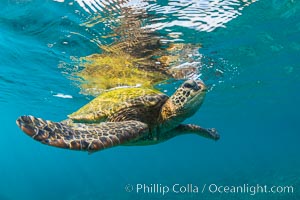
[[254, 104]]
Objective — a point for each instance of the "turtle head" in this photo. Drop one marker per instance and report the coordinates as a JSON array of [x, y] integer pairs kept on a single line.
[[184, 102]]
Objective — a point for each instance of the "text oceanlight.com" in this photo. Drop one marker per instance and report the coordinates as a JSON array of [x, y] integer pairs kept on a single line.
[[163, 189]]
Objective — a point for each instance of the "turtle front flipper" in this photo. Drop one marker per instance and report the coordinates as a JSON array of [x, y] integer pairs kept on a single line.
[[78, 136], [210, 133], [181, 129]]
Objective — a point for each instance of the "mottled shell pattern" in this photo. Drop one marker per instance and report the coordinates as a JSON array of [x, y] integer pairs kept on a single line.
[[113, 101]]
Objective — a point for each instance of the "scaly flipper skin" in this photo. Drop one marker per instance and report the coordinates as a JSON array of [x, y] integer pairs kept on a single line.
[[210, 133], [79, 136]]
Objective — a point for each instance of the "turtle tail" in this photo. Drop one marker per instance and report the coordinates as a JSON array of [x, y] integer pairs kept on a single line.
[[78, 136]]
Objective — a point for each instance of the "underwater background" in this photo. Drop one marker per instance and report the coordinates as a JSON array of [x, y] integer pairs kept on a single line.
[[250, 61]]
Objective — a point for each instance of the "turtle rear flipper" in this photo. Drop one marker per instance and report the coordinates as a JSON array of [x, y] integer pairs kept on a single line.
[[79, 136]]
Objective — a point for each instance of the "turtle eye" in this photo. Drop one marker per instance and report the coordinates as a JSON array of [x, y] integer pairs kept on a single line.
[[191, 85], [187, 85]]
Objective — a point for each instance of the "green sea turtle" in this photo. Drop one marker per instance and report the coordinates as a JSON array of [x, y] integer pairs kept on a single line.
[[124, 116]]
